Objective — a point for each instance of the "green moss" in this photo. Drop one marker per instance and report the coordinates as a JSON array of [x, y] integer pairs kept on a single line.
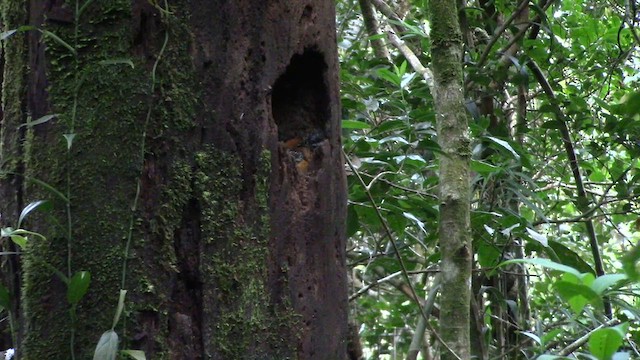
[[103, 166], [235, 264]]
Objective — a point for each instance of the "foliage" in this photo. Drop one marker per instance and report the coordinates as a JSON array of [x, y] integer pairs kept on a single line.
[[533, 76]]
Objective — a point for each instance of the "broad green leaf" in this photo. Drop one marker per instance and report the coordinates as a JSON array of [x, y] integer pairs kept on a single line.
[[488, 254], [603, 343], [390, 125], [578, 295], [602, 283], [389, 76], [483, 167], [135, 354], [19, 240], [505, 145], [107, 347], [354, 124], [569, 257], [78, 286]]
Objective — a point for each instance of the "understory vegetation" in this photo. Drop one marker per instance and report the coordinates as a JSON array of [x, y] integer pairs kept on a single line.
[[552, 91]]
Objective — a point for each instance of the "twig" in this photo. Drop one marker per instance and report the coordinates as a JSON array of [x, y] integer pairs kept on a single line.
[[583, 339]]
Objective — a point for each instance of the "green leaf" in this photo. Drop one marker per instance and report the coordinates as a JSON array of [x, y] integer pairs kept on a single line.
[[488, 254], [569, 257], [6, 34], [505, 145], [33, 206], [5, 298], [39, 121], [19, 240], [117, 62], [48, 188], [603, 343], [578, 295], [353, 223], [57, 39], [482, 167], [545, 263], [116, 318], [354, 124], [604, 282], [136, 354], [630, 263], [107, 347], [389, 76], [78, 286], [553, 124]]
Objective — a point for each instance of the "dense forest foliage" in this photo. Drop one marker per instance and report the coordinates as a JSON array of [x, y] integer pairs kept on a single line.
[[551, 92], [551, 88]]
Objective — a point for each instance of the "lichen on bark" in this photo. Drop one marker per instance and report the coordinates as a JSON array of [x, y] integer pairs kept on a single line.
[[453, 138]]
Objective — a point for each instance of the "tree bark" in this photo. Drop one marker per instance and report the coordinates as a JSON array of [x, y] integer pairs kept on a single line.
[[453, 138], [206, 179]]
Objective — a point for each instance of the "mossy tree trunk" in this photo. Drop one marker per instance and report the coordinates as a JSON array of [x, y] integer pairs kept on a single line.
[[194, 161], [453, 138]]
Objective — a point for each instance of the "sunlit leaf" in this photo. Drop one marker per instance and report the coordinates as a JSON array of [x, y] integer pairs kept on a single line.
[[107, 347], [603, 343], [135, 354]]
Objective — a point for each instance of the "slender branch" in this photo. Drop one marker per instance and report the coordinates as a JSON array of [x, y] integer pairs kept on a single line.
[[418, 335], [499, 31], [386, 10], [583, 339], [412, 59]]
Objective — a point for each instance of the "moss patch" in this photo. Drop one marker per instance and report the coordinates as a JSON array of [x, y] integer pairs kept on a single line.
[[235, 260]]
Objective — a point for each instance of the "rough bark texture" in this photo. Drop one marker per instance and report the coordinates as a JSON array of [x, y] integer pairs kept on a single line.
[[453, 137], [231, 159]]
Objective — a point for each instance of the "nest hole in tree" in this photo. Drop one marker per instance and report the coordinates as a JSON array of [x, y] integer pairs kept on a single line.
[[300, 107]]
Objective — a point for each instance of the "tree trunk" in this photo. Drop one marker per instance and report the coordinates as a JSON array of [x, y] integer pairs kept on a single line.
[[453, 138], [206, 179]]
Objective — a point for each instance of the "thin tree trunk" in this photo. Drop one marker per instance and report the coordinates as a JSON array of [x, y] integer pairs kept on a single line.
[[206, 179], [453, 137]]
